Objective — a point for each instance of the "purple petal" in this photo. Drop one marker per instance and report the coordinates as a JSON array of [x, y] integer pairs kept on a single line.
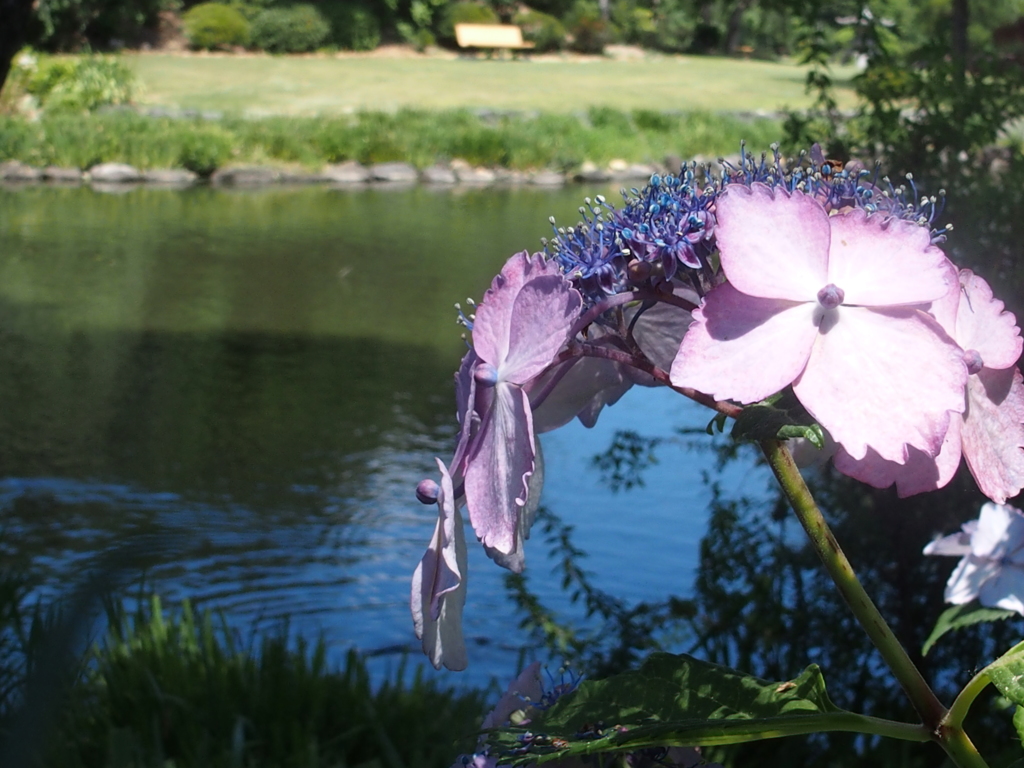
[[525, 317], [744, 348], [466, 408], [954, 545], [982, 325], [499, 462], [773, 244], [589, 385], [439, 585], [884, 378], [882, 262], [659, 332], [1004, 590], [515, 560], [993, 435], [1000, 532], [967, 579]]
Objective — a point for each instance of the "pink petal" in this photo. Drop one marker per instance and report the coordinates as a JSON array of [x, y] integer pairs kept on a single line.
[[982, 325], [525, 317], [744, 348], [994, 432], [439, 585], [542, 316], [920, 473], [882, 262], [466, 407], [944, 308], [499, 462], [884, 378], [773, 244]]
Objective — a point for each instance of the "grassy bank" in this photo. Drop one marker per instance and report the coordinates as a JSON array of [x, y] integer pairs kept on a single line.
[[262, 85], [513, 141], [180, 690]]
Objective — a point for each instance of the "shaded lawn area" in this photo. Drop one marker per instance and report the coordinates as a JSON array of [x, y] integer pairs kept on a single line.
[[262, 85]]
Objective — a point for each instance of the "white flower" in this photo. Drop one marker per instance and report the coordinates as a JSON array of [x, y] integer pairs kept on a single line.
[[992, 568]]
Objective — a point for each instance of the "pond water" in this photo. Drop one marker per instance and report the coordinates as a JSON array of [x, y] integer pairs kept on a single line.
[[261, 377]]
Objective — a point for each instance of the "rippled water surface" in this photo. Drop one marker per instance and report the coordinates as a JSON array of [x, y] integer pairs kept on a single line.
[[261, 377]]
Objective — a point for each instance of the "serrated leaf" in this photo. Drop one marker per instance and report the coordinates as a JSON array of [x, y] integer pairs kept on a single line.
[[675, 701], [1007, 674], [960, 616]]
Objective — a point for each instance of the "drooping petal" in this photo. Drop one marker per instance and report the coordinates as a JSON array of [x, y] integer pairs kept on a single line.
[[660, 331], [984, 326], [515, 560], [590, 384], [439, 585], [524, 318], [993, 439], [773, 244], [466, 408], [744, 348], [881, 262], [967, 579], [499, 463], [883, 378], [919, 474]]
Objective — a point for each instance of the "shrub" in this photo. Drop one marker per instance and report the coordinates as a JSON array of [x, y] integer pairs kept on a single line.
[[215, 25], [463, 13], [543, 30], [296, 29], [353, 26], [204, 149], [589, 32], [84, 83]]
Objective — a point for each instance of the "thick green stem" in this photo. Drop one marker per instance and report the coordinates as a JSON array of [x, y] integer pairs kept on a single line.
[[955, 717], [951, 737]]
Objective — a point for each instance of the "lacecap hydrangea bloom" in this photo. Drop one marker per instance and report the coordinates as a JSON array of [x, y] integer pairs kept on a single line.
[[771, 276]]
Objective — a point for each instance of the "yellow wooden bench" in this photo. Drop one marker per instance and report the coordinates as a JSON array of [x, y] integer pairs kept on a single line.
[[490, 36]]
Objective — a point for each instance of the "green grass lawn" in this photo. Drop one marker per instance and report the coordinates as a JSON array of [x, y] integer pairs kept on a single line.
[[262, 85]]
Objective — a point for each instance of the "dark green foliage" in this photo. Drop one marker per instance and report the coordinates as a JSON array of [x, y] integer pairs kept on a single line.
[[215, 25], [543, 30], [292, 29], [463, 13], [353, 26], [588, 31], [70, 25]]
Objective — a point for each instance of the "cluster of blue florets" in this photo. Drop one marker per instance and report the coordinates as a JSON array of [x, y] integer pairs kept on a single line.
[[666, 230]]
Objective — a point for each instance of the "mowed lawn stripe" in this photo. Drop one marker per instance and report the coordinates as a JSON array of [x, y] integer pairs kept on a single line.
[[283, 85]]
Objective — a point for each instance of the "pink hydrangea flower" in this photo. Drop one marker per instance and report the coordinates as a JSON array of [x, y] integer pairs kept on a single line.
[[520, 326], [990, 433], [833, 306], [992, 566], [439, 582]]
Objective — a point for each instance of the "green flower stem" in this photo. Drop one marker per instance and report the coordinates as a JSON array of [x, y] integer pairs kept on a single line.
[[951, 737], [955, 716]]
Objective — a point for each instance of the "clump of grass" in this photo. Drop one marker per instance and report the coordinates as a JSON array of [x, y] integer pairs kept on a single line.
[[420, 137], [180, 689]]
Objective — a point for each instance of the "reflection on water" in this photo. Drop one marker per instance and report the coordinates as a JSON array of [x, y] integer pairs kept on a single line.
[[261, 377]]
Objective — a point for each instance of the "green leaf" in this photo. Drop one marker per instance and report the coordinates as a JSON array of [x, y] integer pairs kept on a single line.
[[679, 701], [1018, 723], [716, 424], [1007, 674], [960, 616], [760, 422], [813, 434]]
